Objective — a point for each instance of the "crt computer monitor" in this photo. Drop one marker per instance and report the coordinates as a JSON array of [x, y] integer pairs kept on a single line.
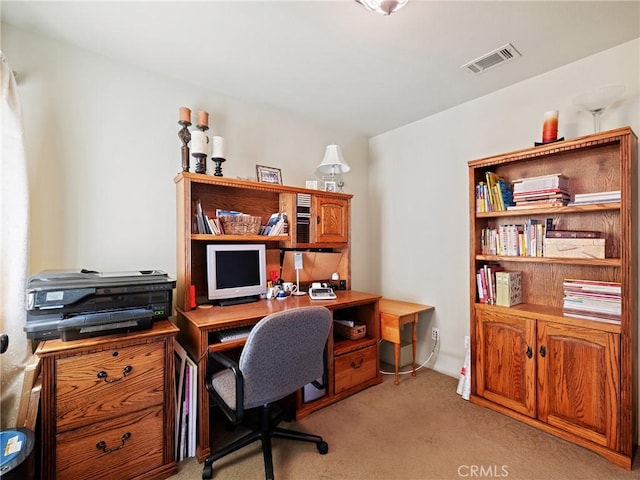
[[236, 273]]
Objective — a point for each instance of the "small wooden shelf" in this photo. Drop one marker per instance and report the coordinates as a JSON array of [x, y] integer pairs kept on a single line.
[[605, 262], [239, 238], [529, 212]]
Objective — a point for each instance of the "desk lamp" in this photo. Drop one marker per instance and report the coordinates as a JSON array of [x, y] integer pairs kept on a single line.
[[333, 163], [297, 263]]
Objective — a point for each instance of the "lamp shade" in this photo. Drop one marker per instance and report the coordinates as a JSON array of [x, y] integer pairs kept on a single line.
[[333, 162]]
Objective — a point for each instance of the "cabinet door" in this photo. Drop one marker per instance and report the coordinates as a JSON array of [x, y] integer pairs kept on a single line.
[[578, 375], [505, 361], [332, 220]]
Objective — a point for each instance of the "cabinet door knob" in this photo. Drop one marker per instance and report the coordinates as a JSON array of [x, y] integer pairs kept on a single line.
[[103, 375], [318, 219], [529, 351], [102, 445], [357, 365], [543, 351]]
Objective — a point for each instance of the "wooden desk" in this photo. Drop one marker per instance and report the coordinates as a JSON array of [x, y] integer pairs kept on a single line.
[[197, 336], [393, 315]]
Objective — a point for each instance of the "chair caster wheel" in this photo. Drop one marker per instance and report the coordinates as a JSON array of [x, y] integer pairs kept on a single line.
[[323, 447], [207, 472]]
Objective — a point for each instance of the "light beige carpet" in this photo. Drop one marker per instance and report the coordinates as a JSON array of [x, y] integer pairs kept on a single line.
[[420, 429]]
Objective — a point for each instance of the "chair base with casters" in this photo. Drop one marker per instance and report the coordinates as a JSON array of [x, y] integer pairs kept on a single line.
[[283, 352], [267, 430]]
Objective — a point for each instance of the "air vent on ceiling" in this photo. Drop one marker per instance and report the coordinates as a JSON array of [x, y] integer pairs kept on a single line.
[[493, 59]]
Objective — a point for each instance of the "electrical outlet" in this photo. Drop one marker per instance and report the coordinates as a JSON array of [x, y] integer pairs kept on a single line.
[[435, 333]]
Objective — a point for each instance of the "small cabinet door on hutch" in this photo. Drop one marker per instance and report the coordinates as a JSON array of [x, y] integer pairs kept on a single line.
[[578, 378], [331, 220], [505, 370]]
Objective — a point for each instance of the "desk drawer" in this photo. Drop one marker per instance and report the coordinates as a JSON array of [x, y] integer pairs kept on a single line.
[[354, 368], [100, 385], [132, 446]]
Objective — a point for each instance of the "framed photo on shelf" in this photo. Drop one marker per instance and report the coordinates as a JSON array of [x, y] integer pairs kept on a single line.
[[269, 174], [330, 186], [312, 184]]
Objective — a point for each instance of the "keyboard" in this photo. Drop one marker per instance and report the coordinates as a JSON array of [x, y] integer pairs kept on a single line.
[[237, 333]]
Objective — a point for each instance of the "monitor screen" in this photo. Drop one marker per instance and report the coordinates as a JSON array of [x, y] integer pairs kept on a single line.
[[236, 271]]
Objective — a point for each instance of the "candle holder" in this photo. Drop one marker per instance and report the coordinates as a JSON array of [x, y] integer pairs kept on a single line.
[[201, 162], [185, 136], [201, 158], [218, 161]]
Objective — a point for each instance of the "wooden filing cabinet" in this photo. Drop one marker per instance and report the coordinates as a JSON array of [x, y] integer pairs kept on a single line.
[[107, 406]]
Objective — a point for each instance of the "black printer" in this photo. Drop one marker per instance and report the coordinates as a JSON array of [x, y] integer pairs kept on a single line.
[[79, 304]]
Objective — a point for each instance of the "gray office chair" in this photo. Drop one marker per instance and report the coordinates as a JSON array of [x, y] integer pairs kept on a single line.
[[283, 352]]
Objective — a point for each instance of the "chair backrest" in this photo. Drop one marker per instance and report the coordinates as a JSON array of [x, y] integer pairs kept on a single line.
[[284, 352]]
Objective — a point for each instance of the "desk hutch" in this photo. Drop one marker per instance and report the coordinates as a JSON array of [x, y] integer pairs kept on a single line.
[[571, 377], [352, 365]]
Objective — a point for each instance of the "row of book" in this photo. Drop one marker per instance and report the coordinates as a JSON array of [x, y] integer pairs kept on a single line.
[[593, 300], [533, 239], [204, 224], [499, 287], [494, 194], [186, 401]]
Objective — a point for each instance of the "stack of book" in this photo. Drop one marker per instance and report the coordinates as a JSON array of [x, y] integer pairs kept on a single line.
[[596, 197], [493, 195], [542, 191], [592, 300]]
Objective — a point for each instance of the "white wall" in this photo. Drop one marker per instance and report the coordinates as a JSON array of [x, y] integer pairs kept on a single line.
[[420, 217], [103, 150]]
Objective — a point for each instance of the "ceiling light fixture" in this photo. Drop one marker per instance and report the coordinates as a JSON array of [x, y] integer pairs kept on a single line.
[[385, 7]]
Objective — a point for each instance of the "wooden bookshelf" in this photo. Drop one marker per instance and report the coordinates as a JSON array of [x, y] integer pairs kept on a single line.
[[573, 378]]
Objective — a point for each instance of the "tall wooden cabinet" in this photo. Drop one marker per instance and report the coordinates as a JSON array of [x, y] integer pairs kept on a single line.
[[571, 377]]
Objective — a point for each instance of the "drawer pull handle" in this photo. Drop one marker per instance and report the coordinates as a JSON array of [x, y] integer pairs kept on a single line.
[[103, 445], [359, 364], [126, 370]]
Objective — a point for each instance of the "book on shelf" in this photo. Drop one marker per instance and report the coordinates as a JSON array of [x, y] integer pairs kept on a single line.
[[542, 182], [486, 283], [574, 247], [592, 300], [573, 234], [596, 197], [276, 225], [508, 288], [493, 194]]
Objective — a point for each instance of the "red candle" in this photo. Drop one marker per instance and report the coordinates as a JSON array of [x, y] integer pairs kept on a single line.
[[203, 118], [185, 114], [550, 126]]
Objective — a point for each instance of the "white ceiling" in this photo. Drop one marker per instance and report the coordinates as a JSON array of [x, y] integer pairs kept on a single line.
[[334, 62]]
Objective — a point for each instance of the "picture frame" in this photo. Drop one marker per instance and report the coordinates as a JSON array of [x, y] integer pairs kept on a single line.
[[311, 184], [330, 186], [269, 174]]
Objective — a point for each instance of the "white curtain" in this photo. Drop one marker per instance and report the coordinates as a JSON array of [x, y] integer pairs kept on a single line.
[[14, 221]]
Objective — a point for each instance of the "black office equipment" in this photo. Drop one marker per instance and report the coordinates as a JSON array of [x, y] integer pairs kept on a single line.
[[79, 304]]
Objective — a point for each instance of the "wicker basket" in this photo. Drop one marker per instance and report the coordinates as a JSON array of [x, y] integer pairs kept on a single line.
[[240, 224], [352, 333]]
